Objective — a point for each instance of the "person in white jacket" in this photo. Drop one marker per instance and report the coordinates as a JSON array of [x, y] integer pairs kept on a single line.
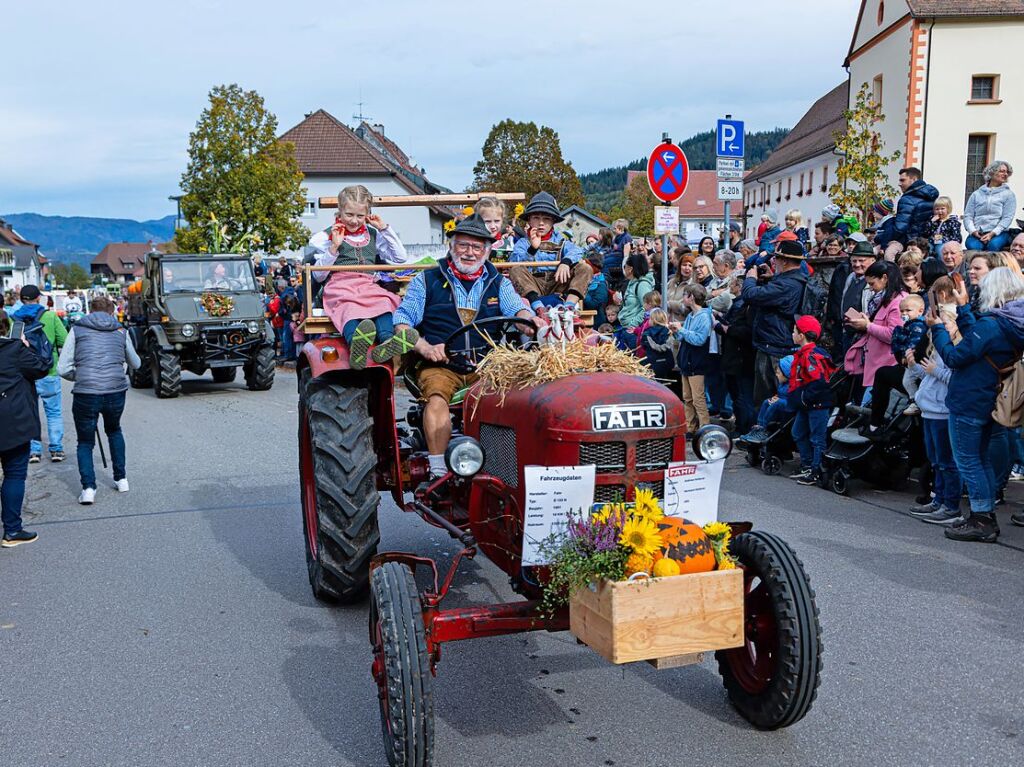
[[990, 209]]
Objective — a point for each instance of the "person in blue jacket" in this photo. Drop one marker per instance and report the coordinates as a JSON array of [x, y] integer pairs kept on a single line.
[[914, 210], [597, 293], [695, 347], [657, 343], [776, 301], [992, 342]]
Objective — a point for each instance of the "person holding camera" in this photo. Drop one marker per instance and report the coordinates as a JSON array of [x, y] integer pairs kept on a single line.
[[20, 367]]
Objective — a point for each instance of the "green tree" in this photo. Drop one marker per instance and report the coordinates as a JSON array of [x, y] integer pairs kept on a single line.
[[70, 276], [636, 206], [522, 157], [861, 178], [242, 187]]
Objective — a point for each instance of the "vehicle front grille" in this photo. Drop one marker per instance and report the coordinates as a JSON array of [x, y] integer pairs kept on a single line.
[[609, 493], [653, 454], [658, 488], [607, 457], [500, 459]]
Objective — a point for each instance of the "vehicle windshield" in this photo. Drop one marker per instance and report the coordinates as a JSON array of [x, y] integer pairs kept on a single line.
[[199, 276]]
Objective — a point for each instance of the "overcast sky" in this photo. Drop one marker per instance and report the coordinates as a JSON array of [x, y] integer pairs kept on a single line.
[[98, 98]]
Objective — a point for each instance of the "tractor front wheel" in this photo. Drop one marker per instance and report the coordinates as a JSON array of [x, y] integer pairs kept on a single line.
[[259, 374], [401, 667], [165, 368], [337, 471], [773, 678]]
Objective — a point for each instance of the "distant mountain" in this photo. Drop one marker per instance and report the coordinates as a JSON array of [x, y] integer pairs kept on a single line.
[[602, 188], [76, 239]]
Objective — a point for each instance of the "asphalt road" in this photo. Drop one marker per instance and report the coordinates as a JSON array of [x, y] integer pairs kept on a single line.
[[174, 625]]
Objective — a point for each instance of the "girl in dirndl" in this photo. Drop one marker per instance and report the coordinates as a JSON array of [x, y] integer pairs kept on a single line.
[[356, 302]]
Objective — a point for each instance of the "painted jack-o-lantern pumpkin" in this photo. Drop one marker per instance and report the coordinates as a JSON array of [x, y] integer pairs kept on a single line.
[[687, 544]]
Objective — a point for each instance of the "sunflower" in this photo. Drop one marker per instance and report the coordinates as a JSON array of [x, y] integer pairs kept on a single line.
[[647, 505], [718, 530], [640, 536], [639, 563], [602, 514], [449, 225], [518, 210]]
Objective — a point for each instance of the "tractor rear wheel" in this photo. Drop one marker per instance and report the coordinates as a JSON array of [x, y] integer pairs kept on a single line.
[[401, 667], [224, 375], [165, 369], [259, 374], [337, 471], [773, 678]]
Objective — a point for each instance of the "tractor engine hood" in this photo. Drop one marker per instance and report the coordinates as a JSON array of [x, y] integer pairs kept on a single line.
[[188, 307]]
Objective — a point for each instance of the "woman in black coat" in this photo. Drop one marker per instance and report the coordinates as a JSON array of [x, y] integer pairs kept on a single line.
[[20, 368]]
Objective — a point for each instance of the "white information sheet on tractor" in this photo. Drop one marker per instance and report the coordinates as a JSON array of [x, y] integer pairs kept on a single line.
[[691, 490], [552, 492]]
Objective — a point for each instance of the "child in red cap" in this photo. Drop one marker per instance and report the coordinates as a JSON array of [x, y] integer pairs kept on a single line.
[[810, 397]]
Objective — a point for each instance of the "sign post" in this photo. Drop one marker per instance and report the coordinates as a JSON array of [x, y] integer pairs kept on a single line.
[[729, 149], [668, 173]]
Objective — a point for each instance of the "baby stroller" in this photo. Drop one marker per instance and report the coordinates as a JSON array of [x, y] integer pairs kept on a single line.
[[885, 460], [774, 445]]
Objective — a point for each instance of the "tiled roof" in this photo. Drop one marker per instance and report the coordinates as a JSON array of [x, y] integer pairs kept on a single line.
[[325, 145], [812, 135], [11, 237], [700, 200], [123, 258], [940, 8]]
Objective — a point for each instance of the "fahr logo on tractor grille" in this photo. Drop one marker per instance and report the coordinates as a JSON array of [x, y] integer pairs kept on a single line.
[[618, 417]]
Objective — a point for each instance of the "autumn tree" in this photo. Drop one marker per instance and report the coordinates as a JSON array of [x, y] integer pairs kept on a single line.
[[522, 157], [861, 178], [636, 205], [242, 185]]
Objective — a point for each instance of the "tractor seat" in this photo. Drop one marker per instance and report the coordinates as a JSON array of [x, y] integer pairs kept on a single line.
[[850, 437], [409, 378]]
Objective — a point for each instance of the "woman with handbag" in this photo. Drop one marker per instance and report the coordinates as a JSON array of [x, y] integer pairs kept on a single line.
[[992, 344]]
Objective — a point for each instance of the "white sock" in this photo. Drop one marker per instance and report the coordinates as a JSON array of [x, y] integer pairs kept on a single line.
[[437, 467]]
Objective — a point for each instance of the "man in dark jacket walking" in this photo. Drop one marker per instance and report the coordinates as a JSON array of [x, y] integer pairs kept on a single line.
[[94, 357], [775, 303], [20, 368], [913, 211]]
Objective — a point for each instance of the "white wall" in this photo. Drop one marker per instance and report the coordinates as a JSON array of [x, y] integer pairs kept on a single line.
[[950, 119], [869, 26], [809, 205], [891, 59]]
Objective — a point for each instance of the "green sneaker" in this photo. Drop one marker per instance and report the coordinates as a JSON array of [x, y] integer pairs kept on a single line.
[[399, 344], [362, 340]]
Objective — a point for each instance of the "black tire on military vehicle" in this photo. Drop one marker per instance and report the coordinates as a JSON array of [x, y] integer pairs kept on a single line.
[[224, 375], [337, 472], [141, 378], [401, 667], [773, 678], [165, 369], [259, 374]]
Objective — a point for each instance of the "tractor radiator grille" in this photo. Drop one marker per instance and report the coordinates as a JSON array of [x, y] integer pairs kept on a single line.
[[658, 488], [607, 457], [653, 454], [609, 493], [501, 461]]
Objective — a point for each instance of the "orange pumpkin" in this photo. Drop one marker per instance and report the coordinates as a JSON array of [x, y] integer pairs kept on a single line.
[[687, 544]]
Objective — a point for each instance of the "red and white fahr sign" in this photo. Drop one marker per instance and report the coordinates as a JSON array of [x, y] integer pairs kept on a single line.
[[686, 470], [691, 490]]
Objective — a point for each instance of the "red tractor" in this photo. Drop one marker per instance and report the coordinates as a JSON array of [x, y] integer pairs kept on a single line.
[[351, 447]]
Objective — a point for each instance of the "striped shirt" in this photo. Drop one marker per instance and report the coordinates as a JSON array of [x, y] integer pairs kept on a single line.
[[410, 312]]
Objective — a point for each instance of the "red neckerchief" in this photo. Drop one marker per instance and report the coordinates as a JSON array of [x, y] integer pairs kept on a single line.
[[472, 277], [548, 236]]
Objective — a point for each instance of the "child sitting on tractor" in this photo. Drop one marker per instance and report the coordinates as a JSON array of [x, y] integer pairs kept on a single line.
[[356, 302], [548, 286]]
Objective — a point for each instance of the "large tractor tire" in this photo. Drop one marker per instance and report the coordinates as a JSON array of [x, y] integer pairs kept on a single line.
[[141, 378], [224, 375], [337, 471], [401, 667], [259, 374], [165, 369], [773, 678]]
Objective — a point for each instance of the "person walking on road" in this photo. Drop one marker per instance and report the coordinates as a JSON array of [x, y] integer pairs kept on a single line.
[[20, 367], [94, 357], [48, 387]]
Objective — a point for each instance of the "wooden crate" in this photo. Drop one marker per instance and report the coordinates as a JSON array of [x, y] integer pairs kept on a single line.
[[660, 617]]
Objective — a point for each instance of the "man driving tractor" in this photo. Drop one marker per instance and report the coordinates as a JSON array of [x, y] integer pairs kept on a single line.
[[465, 287]]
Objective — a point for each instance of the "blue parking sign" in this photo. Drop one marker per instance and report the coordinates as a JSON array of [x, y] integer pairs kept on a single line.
[[729, 138]]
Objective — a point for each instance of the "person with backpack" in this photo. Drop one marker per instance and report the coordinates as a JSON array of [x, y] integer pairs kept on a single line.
[[94, 357], [810, 397], [20, 367], [35, 315]]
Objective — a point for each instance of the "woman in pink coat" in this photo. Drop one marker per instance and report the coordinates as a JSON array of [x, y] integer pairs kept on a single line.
[[873, 350]]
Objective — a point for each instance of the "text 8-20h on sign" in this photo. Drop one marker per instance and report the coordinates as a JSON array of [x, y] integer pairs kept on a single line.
[[730, 190]]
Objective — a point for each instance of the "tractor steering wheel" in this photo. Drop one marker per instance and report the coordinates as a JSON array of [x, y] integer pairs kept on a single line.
[[465, 358]]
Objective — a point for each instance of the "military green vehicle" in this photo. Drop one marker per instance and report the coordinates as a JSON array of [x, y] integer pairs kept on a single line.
[[199, 313]]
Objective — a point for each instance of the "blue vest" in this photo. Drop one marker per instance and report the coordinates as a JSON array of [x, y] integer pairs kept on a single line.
[[441, 317]]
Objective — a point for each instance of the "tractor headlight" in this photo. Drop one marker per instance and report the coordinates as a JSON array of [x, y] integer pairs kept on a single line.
[[464, 456], [253, 327], [188, 330], [712, 443]]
